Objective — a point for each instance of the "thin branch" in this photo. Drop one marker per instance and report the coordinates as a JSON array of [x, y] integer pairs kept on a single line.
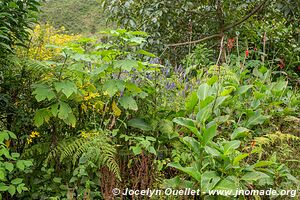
[[255, 10], [221, 50]]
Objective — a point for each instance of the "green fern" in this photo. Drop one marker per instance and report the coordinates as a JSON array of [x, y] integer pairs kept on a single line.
[[95, 146], [37, 150]]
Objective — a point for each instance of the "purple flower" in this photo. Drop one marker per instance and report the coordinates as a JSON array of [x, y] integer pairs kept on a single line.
[[154, 61], [186, 87]]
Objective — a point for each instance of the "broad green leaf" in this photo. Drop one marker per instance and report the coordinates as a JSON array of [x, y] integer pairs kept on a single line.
[[136, 150], [2, 174], [263, 163], [226, 184], [126, 64], [220, 100], [238, 158], [212, 151], [279, 86], [20, 164], [203, 91], [227, 90], [41, 116], [64, 110], [9, 166], [4, 136], [191, 102], [203, 115], [151, 138], [11, 190], [188, 123], [67, 87], [43, 92], [5, 152], [15, 155], [19, 189], [54, 109], [113, 86], [27, 163], [240, 132], [209, 180], [221, 119], [293, 178], [209, 133], [145, 143], [254, 176], [230, 146], [3, 188], [243, 89], [256, 119], [11, 134], [140, 124], [212, 80], [16, 181], [71, 120], [133, 88], [205, 102], [146, 53], [57, 180], [128, 102], [193, 144], [152, 150], [188, 170]]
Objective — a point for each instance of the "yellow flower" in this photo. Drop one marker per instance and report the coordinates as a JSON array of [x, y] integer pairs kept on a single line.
[[91, 95], [44, 35], [7, 143], [33, 134], [84, 134], [105, 93], [84, 107], [29, 141]]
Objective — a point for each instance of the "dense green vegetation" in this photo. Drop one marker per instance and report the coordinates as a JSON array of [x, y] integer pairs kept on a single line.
[[197, 95]]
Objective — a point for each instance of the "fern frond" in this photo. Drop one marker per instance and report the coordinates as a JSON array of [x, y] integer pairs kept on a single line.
[[37, 150], [95, 147]]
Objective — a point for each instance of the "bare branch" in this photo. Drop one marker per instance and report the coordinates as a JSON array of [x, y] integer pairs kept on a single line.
[[221, 50], [255, 10]]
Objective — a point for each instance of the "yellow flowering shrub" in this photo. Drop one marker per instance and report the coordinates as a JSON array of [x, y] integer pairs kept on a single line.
[[33, 134], [44, 35]]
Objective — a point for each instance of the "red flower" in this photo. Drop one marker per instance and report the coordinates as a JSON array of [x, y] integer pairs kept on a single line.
[[299, 68], [230, 43], [255, 49], [281, 64], [247, 53]]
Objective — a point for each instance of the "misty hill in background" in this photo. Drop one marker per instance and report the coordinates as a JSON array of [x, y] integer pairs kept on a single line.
[[76, 16]]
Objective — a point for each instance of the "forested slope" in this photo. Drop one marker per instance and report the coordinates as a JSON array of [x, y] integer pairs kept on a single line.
[[75, 15]]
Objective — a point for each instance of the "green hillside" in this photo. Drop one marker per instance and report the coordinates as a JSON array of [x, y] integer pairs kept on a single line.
[[76, 16]]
